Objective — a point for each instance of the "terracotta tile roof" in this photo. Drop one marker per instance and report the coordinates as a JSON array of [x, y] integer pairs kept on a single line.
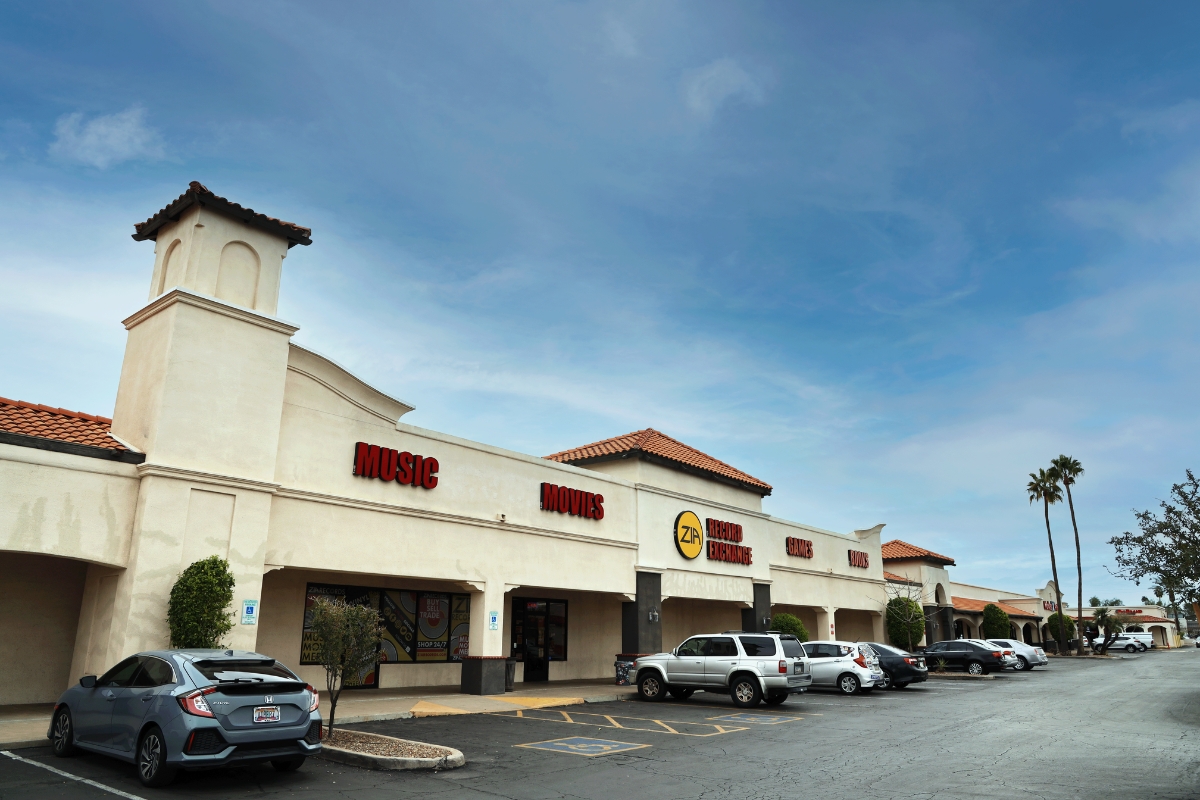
[[891, 576], [47, 422], [896, 550], [199, 193], [968, 604], [1142, 619], [649, 442]]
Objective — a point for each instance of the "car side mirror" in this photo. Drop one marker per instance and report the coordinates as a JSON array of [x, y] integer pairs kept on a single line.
[[87, 681]]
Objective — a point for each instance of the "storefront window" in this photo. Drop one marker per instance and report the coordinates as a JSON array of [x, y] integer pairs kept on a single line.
[[539, 634], [418, 627]]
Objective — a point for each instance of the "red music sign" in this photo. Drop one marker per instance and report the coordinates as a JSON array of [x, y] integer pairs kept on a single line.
[[373, 461]]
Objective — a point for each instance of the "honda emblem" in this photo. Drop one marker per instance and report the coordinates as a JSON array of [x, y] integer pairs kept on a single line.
[[268, 699]]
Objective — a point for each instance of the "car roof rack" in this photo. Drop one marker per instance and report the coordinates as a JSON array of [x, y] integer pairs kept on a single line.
[[735, 631]]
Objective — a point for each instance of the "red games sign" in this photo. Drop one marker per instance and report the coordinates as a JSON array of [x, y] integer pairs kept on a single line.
[[858, 558], [799, 547], [373, 461], [575, 502], [722, 539]]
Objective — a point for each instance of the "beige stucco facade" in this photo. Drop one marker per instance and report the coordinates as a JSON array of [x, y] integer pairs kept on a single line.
[[249, 441]]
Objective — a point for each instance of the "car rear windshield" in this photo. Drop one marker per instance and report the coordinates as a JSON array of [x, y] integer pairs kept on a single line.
[[792, 648], [243, 671], [758, 645]]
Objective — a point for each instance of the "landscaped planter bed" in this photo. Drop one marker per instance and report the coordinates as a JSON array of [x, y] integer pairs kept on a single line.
[[375, 751]]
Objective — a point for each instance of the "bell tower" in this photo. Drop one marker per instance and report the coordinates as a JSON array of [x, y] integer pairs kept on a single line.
[[201, 394]]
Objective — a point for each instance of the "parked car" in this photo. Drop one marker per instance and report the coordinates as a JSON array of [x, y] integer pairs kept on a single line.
[[849, 666], [1027, 655], [1007, 654], [166, 710], [899, 667], [752, 667], [968, 655], [1132, 642]]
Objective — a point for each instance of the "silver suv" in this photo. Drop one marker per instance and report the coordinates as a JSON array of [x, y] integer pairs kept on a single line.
[[752, 667]]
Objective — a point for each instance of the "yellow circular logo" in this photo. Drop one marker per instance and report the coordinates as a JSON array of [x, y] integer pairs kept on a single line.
[[689, 535]]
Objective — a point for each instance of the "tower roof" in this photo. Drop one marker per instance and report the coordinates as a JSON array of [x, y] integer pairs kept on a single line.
[[653, 446], [198, 194], [896, 550]]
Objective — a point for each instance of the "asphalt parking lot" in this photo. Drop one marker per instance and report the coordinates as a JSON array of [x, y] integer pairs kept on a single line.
[[1126, 728]]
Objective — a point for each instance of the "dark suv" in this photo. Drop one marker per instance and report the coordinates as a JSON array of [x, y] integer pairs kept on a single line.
[[974, 658]]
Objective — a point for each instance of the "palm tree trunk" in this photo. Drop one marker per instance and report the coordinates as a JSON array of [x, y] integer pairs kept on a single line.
[[1079, 571], [1174, 609], [1062, 625]]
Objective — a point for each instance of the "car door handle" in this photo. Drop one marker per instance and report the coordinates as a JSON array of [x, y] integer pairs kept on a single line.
[[147, 698]]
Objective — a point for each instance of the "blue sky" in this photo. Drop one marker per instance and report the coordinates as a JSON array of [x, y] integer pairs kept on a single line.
[[887, 257]]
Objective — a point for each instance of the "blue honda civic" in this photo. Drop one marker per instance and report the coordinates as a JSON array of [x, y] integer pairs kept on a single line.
[[166, 710]]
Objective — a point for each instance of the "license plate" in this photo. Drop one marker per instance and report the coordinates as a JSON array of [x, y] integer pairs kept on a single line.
[[798, 668], [266, 714], [878, 677]]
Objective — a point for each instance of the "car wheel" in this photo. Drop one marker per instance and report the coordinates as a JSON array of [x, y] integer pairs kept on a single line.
[[1142, 647], [62, 736], [287, 764], [1022, 664], [1130, 648], [152, 766], [745, 692], [848, 684], [776, 699], [974, 668], [650, 687], [682, 694], [888, 681]]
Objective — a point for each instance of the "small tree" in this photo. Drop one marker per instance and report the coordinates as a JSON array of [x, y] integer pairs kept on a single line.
[[198, 612], [790, 624], [347, 639], [1108, 624], [995, 622], [905, 622], [1066, 628]]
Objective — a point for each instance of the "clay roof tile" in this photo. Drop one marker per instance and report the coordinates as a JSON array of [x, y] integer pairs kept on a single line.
[[47, 422], [198, 193], [649, 442], [897, 550]]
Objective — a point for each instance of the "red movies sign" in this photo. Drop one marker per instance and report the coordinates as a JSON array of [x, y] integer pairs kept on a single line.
[[575, 502], [721, 544], [858, 558], [799, 547], [373, 461]]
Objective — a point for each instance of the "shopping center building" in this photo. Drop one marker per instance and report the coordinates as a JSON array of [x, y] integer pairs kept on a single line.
[[230, 439]]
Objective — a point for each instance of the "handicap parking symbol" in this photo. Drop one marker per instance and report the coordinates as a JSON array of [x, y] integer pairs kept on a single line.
[[584, 746]]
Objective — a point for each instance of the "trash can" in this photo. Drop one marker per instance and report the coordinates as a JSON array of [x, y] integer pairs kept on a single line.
[[622, 664], [510, 673]]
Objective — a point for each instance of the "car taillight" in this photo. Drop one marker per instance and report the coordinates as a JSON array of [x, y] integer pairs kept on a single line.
[[910, 660], [782, 667], [316, 697], [195, 704], [861, 660], [997, 654]]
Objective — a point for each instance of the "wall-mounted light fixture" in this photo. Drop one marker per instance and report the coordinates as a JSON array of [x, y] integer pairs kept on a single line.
[[653, 615]]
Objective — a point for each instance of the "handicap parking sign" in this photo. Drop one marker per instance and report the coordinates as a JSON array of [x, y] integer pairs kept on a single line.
[[584, 746]]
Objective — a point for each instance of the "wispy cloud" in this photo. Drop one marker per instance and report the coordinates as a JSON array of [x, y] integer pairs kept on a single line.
[[1173, 120], [708, 88], [619, 39], [1172, 216], [107, 139]]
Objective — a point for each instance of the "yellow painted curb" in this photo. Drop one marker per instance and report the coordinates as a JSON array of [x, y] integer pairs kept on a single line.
[[541, 702], [424, 708]]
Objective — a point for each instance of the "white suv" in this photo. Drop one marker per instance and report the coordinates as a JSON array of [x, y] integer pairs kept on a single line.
[[850, 666], [752, 667], [1131, 642], [1028, 656]]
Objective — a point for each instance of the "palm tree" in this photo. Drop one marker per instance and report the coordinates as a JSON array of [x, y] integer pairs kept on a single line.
[[1044, 487], [1068, 470]]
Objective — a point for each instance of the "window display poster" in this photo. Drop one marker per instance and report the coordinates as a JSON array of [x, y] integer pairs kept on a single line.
[[309, 643], [433, 626], [399, 611], [460, 625]]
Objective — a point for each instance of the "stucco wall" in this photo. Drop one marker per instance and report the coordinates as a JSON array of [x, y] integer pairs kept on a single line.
[[38, 618], [853, 625], [684, 617]]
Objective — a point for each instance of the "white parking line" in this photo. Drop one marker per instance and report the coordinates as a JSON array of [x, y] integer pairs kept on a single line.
[[108, 789]]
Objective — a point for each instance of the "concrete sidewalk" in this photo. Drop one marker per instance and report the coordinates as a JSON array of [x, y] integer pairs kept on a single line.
[[26, 725]]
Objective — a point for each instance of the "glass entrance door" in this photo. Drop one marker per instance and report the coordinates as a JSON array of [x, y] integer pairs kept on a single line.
[[539, 630]]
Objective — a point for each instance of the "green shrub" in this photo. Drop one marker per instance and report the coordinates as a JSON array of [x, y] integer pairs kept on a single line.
[[905, 622], [789, 623], [1052, 621], [198, 612], [995, 622]]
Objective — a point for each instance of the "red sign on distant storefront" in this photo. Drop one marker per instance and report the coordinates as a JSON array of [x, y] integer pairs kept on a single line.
[[373, 461], [575, 502], [799, 547], [858, 558], [722, 542]]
